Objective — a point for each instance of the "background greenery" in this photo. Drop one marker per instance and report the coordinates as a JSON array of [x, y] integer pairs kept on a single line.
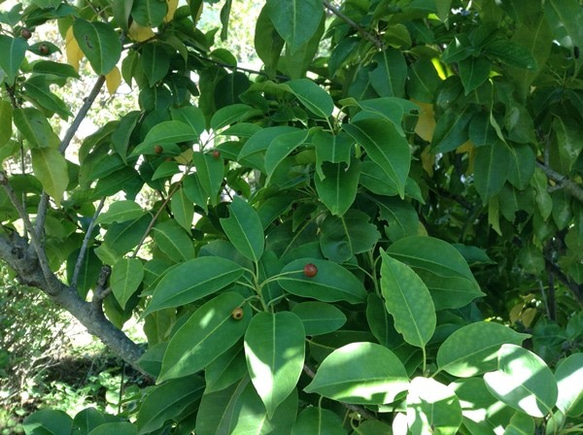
[[376, 230]]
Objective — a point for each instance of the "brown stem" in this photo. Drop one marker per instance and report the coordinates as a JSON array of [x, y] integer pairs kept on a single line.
[[572, 188], [366, 35]]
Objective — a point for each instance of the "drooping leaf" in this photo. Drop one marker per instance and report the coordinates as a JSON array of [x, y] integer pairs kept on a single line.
[[408, 300], [377, 379], [99, 42], [50, 167], [331, 283], [274, 349], [385, 146], [473, 349], [295, 20], [209, 332], [432, 406], [126, 277], [193, 280], [523, 381]]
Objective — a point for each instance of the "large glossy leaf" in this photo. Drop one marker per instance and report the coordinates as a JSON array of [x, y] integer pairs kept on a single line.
[[319, 318], [569, 375], [244, 229], [331, 283], [280, 147], [5, 122], [473, 349], [35, 128], [13, 51], [126, 277], [523, 381], [407, 299], [193, 280], [312, 96], [168, 401], [50, 167], [361, 373], [442, 268], [385, 146], [274, 349], [432, 407], [316, 420], [388, 78], [173, 241], [343, 237], [338, 185], [99, 42], [239, 410], [155, 62], [295, 20], [209, 332]]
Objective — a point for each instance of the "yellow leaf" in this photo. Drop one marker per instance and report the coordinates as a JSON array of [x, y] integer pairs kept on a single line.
[[427, 160], [184, 158], [72, 49], [172, 5], [426, 122], [470, 148], [139, 33], [113, 80]]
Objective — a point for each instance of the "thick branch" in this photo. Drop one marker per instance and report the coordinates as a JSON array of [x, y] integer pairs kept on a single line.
[[366, 35], [572, 188]]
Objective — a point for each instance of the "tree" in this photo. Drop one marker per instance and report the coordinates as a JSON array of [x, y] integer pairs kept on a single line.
[[395, 241]]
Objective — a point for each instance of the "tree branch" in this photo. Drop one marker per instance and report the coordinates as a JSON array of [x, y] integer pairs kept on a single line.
[[366, 35], [572, 188]]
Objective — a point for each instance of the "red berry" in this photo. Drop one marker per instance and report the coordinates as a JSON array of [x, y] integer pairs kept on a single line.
[[216, 154], [25, 33], [158, 149], [310, 270], [44, 49], [237, 313]]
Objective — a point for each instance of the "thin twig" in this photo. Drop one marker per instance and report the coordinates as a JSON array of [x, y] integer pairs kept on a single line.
[[36, 242], [84, 245], [240, 68], [354, 408], [101, 289], [375, 40], [572, 188]]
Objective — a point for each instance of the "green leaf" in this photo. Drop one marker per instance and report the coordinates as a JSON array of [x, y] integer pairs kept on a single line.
[[491, 169], [182, 209], [565, 17], [50, 167], [295, 20], [523, 381], [332, 282], [168, 401], [569, 375], [520, 424], [377, 378], [5, 122], [388, 78], [209, 171], [121, 12], [209, 332], [244, 229], [338, 185], [473, 72], [296, 61], [331, 148], [391, 109], [343, 237], [280, 147], [408, 300], [432, 407], [274, 349], [451, 130], [190, 115], [312, 96], [99, 42], [166, 132], [316, 420], [395, 160], [155, 62], [252, 152], [37, 88], [149, 13], [268, 43], [173, 241], [319, 318], [226, 370], [443, 269], [13, 52], [473, 349], [126, 277], [239, 410], [400, 215], [193, 280], [522, 166], [35, 128], [120, 211], [423, 80], [51, 421], [119, 428], [229, 115]]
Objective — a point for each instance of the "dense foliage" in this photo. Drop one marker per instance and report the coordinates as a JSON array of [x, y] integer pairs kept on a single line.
[[378, 232]]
